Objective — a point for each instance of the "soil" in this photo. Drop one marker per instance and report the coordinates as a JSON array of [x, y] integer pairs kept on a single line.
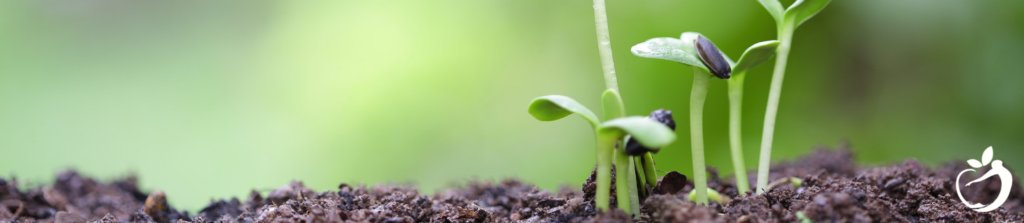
[[833, 189]]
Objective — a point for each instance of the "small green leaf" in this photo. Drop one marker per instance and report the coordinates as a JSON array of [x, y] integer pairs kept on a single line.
[[667, 48], [774, 8], [611, 103], [679, 50], [802, 10], [555, 107], [647, 132], [756, 54]]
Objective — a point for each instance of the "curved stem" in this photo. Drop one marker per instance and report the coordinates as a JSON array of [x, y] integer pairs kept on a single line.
[[605, 150], [652, 177], [604, 45], [735, 127], [701, 80], [782, 54], [623, 181]]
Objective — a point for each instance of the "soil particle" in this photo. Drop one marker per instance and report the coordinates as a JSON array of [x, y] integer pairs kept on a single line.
[[67, 217], [671, 183], [613, 216], [673, 208]]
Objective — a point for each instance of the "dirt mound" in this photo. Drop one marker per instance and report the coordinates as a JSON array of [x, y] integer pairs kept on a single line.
[[833, 189]]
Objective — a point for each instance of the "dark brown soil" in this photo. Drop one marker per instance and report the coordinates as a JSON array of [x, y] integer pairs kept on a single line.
[[833, 190]]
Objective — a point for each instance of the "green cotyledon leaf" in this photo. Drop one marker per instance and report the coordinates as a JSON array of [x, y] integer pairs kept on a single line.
[[555, 107], [647, 132], [755, 55], [802, 10], [679, 50], [774, 8]]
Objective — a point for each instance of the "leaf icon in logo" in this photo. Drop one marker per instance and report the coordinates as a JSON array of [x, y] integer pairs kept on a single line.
[[986, 157], [974, 163]]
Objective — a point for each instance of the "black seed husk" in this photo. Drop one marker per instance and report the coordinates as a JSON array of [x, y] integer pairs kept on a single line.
[[633, 148], [712, 58]]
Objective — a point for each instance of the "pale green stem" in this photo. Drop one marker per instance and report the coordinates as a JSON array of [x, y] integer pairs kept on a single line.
[[735, 127], [604, 46], [652, 177], [622, 181], [632, 203], [781, 55], [701, 81], [641, 177], [605, 151]]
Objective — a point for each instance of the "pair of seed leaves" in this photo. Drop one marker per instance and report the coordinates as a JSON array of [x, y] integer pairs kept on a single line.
[[797, 13], [648, 132], [682, 50]]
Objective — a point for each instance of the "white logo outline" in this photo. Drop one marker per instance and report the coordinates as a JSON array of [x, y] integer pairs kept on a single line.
[[997, 170]]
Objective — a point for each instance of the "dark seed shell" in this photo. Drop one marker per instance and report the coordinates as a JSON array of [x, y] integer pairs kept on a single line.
[[672, 183], [712, 58], [633, 148], [665, 117]]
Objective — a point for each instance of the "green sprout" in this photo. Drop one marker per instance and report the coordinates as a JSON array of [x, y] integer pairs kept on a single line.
[[786, 22], [795, 181], [614, 131], [713, 195], [647, 132], [756, 54], [803, 217], [690, 49]]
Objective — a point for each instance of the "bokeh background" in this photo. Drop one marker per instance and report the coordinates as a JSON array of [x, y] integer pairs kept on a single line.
[[211, 99]]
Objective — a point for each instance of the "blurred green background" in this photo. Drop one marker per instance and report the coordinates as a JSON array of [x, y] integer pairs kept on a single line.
[[210, 99]]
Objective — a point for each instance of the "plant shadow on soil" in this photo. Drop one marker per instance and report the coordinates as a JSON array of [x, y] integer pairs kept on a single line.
[[833, 190]]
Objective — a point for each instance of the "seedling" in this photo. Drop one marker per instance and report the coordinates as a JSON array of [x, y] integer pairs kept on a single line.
[[647, 132], [786, 23], [753, 56], [713, 195], [694, 50]]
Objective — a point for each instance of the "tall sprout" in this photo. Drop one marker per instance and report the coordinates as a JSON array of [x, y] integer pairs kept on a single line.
[[786, 22], [683, 50], [613, 131]]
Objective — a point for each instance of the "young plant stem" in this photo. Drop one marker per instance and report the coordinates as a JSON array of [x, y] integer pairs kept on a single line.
[[630, 179], [641, 177], [785, 33], [604, 46], [701, 81], [652, 177], [605, 151], [622, 180], [735, 141], [613, 108]]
